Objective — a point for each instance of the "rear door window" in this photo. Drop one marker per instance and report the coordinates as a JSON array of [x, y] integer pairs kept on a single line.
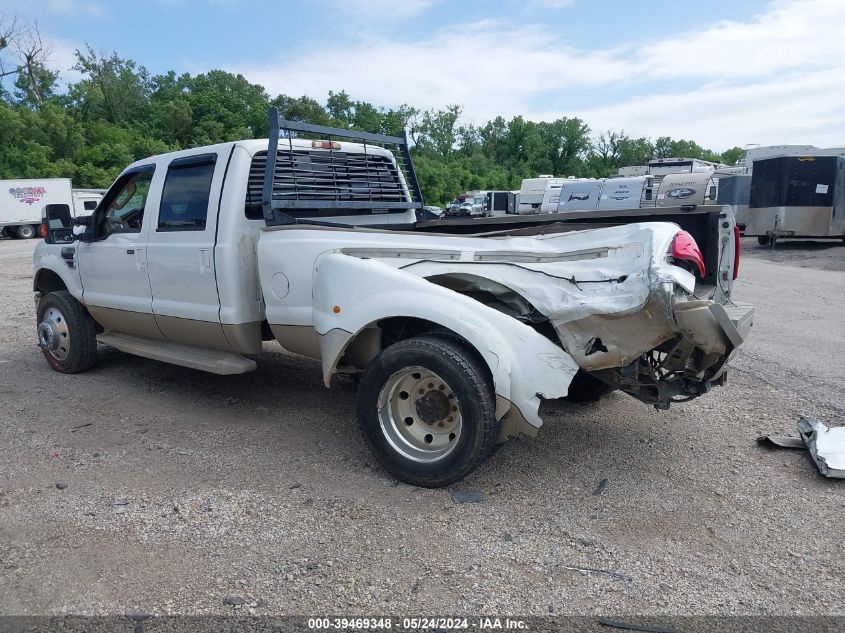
[[184, 199]]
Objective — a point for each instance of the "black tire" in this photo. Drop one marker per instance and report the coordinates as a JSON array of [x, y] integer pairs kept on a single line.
[[468, 379], [587, 388], [27, 231], [764, 240], [80, 354]]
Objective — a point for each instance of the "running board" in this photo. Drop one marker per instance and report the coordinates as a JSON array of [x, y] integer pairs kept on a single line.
[[210, 360]]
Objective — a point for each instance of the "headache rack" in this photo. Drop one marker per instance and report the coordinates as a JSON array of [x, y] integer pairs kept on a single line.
[[319, 179]]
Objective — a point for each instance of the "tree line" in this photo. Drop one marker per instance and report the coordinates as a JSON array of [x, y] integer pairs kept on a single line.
[[118, 112]]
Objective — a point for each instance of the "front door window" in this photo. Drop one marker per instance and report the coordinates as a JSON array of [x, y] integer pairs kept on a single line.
[[125, 213]]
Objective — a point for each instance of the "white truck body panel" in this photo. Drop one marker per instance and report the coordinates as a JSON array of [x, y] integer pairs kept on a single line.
[[393, 264]]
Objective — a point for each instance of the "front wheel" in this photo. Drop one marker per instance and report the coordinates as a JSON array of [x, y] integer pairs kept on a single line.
[[426, 408], [66, 334]]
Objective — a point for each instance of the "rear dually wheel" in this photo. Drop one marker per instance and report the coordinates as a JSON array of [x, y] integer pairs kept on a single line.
[[426, 408]]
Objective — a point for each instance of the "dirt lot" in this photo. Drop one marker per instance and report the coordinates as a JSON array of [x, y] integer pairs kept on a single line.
[[182, 489]]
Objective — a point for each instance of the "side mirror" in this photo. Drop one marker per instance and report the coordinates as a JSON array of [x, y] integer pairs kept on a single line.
[[57, 227]]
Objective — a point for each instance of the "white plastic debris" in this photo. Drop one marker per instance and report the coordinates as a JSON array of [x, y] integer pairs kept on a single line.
[[826, 446]]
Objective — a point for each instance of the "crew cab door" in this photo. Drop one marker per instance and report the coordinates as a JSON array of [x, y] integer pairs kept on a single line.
[[113, 264], [180, 252]]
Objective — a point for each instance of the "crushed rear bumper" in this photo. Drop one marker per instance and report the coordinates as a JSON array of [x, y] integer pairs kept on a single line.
[[691, 362]]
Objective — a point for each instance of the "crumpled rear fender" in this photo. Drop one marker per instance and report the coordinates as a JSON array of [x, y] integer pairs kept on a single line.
[[351, 294]]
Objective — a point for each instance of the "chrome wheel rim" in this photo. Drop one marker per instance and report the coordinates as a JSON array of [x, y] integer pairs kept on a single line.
[[54, 334], [420, 415]]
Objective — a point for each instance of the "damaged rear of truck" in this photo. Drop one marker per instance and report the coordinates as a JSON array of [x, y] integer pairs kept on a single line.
[[571, 306]]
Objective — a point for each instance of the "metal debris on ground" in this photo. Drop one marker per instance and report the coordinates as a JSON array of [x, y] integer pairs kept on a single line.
[[826, 446], [780, 441], [600, 488]]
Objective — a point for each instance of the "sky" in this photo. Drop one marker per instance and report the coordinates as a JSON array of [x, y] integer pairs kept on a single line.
[[720, 72]]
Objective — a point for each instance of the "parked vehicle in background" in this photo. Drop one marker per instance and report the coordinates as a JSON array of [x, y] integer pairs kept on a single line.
[[735, 190], [457, 211], [501, 202], [429, 213], [798, 197], [629, 192], [535, 193], [664, 166], [578, 194], [688, 189], [22, 203], [457, 329]]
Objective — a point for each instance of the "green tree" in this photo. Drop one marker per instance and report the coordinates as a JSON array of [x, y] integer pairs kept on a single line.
[[565, 141], [112, 89], [731, 156]]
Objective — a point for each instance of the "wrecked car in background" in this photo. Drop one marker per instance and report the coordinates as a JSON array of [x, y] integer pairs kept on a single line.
[[458, 328]]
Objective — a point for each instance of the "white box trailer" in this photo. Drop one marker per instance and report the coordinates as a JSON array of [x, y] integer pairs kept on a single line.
[[22, 203]]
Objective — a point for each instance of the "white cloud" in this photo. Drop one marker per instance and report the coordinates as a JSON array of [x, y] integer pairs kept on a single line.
[[31, 10], [778, 77], [552, 4], [94, 9], [380, 9], [62, 58], [789, 35], [484, 66], [800, 108]]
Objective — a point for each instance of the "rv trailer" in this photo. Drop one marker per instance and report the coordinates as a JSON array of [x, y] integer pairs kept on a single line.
[[537, 193], [627, 193], [689, 189], [579, 195], [665, 166]]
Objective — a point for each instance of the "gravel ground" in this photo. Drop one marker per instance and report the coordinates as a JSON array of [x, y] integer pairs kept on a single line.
[[146, 486]]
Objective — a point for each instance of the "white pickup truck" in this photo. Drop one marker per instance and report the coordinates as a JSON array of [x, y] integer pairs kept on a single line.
[[457, 329]]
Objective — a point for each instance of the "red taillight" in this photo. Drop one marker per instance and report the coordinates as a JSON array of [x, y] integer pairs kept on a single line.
[[685, 248], [736, 251], [43, 230]]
